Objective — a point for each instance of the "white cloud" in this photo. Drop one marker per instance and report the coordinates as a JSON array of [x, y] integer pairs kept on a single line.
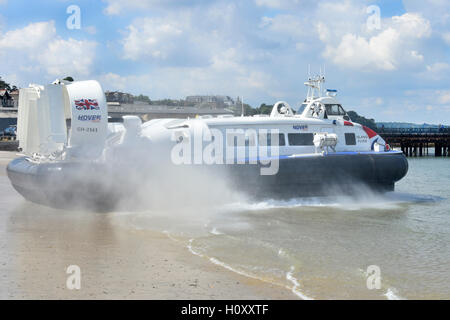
[[323, 31], [286, 24], [193, 37], [203, 50], [116, 7], [353, 19], [436, 71], [393, 47], [283, 4], [68, 57], [224, 75], [438, 99], [32, 36], [113, 81], [152, 37], [184, 37], [273, 3], [436, 11], [37, 50]]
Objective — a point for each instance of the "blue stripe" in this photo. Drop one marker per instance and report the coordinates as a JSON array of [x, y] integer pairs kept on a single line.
[[342, 153]]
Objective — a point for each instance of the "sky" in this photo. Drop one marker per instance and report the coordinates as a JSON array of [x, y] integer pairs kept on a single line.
[[389, 60]]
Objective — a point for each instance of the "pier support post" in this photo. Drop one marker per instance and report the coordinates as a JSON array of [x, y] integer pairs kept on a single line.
[[420, 150], [437, 150]]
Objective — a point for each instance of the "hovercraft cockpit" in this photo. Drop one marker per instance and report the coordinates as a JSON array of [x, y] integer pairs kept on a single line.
[[318, 106]]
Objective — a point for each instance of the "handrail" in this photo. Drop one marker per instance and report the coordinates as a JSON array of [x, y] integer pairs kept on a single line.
[[414, 130]]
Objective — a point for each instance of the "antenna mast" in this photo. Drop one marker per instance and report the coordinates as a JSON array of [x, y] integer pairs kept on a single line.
[[314, 85]]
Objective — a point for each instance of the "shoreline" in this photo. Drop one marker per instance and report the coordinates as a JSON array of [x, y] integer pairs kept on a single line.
[[39, 243]]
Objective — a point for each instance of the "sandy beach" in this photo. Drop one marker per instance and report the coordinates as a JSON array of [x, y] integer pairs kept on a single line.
[[37, 244]]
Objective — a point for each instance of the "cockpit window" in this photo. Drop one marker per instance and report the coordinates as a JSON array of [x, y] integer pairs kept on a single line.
[[335, 110]]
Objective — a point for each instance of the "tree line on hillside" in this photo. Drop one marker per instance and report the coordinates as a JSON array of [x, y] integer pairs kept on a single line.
[[6, 85], [370, 123], [164, 102]]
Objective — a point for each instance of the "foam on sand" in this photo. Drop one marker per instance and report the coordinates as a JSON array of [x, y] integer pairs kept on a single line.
[[296, 284], [289, 275], [391, 294]]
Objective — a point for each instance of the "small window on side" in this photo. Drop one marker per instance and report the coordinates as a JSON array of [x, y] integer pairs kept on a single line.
[[350, 139], [301, 139]]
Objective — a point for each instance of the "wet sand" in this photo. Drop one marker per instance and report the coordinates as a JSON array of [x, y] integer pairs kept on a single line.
[[37, 244]]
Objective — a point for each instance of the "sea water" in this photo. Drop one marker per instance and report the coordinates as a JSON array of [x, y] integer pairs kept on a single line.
[[328, 247]]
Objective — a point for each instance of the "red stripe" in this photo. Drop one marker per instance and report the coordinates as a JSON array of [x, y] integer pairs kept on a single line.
[[369, 132], [348, 123]]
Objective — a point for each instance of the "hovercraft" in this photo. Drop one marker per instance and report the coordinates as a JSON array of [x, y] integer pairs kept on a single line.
[[71, 155]]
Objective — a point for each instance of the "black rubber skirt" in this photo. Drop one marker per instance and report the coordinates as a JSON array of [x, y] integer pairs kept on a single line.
[[330, 174], [100, 187]]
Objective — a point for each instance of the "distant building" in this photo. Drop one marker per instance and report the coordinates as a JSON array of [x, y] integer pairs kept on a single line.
[[9, 99], [212, 101], [121, 97]]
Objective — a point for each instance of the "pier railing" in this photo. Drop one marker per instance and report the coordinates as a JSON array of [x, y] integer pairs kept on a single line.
[[442, 131]]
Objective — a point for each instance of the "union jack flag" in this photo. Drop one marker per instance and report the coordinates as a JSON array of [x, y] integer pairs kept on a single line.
[[87, 104]]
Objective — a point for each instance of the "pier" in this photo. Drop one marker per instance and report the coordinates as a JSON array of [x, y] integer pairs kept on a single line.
[[416, 142]]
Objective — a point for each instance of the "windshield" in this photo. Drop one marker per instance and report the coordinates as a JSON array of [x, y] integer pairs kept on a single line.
[[334, 110]]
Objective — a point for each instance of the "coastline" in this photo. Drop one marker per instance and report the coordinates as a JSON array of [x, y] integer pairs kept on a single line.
[[39, 243]]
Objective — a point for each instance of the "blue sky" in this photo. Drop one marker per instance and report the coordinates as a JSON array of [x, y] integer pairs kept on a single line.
[[394, 70]]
